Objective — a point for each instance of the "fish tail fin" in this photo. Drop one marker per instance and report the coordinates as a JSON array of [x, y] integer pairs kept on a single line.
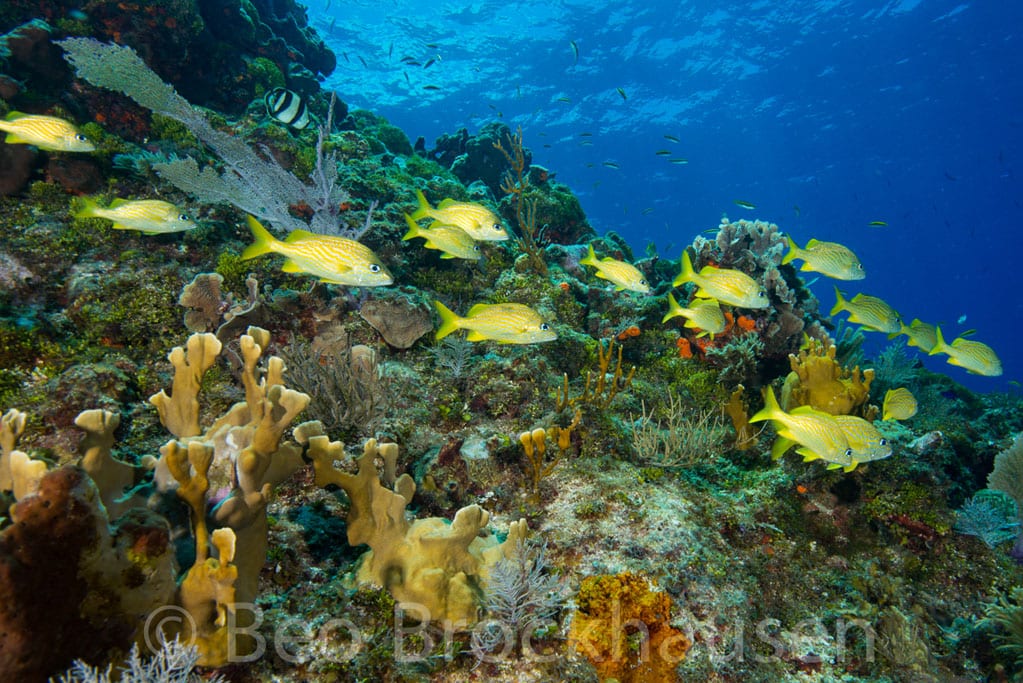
[[940, 345], [674, 308], [87, 208], [424, 209], [590, 259], [771, 409], [839, 303], [449, 320], [264, 241], [413, 229], [686, 272], [794, 251]]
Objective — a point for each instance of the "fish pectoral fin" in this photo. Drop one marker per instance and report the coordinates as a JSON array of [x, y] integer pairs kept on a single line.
[[851, 466]]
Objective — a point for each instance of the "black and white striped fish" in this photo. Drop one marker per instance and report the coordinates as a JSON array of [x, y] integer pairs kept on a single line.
[[288, 107]]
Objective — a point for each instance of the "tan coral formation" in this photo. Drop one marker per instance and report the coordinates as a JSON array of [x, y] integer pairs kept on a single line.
[[435, 569], [818, 380]]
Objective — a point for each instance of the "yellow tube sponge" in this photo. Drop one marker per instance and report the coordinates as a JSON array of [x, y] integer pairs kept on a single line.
[[179, 412], [818, 380]]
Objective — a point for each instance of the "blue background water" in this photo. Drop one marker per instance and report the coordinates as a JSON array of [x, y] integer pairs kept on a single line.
[[825, 115]]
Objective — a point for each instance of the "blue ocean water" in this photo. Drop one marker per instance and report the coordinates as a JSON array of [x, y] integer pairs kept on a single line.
[[826, 116]]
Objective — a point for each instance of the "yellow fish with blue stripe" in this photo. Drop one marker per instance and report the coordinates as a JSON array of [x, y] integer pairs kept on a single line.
[[44, 132], [732, 287], [817, 433], [477, 220], [973, 356], [337, 260], [920, 334], [505, 323], [623, 275], [828, 258], [449, 239], [899, 404], [150, 216], [865, 440], [869, 311], [702, 314]]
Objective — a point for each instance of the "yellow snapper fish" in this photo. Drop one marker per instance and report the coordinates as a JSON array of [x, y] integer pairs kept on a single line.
[[920, 334], [44, 132], [732, 287], [869, 311], [865, 440], [151, 216], [623, 275], [504, 323], [450, 239], [477, 220], [828, 258], [973, 356], [817, 433], [337, 260], [899, 404], [702, 314]]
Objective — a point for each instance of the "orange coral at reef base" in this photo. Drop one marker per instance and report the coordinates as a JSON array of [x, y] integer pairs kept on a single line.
[[624, 628]]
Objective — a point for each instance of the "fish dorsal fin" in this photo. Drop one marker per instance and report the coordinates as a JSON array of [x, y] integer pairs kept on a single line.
[[446, 203], [14, 115], [709, 270], [296, 235], [478, 308], [474, 336]]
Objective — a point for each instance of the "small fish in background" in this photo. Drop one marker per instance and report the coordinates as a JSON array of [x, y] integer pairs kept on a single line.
[[623, 275], [703, 314], [337, 260], [870, 311], [745, 205], [878, 224], [817, 433], [732, 287], [44, 132], [828, 258], [150, 216], [610, 164], [921, 335], [663, 152], [672, 138], [678, 160], [621, 93], [575, 51], [287, 107], [504, 323], [449, 239], [478, 221], [973, 356], [899, 404], [961, 320]]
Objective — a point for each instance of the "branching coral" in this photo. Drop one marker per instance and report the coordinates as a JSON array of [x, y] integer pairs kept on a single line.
[[818, 380], [602, 385], [435, 568], [515, 183]]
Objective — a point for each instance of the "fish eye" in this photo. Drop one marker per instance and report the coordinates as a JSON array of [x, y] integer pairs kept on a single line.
[[848, 452], [498, 227], [642, 281], [374, 268], [183, 217], [762, 294], [884, 442], [475, 247], [859, 266], [544, 326], [81, 138]]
